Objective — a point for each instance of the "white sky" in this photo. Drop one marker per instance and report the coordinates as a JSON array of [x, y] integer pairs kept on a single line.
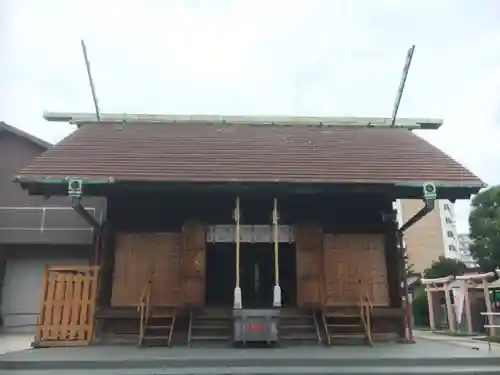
[[292, 57]]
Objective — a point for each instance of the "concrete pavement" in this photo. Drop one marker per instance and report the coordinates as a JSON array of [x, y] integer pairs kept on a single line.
[[463, 341], [14, 342], [424, 357]]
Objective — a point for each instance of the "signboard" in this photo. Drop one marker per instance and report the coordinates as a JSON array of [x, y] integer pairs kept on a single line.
[[249, 233]]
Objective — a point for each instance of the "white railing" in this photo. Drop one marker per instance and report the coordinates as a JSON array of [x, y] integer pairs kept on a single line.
[[44, 212], [490, 328]]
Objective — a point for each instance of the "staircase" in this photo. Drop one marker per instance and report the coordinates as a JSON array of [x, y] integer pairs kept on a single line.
[[298, 327], [210, 326], [350, 325], [344, 326], [158, 328], [156, 323]]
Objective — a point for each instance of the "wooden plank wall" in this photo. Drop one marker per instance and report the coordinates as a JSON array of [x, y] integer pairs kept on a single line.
[[332, 268], [309, 244], [352, 262], [193, 264], [136, 255]]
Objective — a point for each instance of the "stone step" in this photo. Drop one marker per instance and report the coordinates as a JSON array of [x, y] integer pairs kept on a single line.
[[158, 327], [338, 325], [211, 338], [155, 337], [297, 326], [303, 336]]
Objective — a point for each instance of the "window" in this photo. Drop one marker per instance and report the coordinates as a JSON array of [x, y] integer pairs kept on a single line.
[[450, 234], [452, 248]]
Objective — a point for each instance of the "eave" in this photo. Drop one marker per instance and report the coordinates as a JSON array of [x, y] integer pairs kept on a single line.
[[110, 186]]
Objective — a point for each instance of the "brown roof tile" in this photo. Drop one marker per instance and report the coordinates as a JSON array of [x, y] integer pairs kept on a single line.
[[246, 153]]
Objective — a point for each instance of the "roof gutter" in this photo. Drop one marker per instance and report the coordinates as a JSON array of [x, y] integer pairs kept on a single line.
[[430, 195], [428, 207], [84, 214], [61, 180], [74, 192]]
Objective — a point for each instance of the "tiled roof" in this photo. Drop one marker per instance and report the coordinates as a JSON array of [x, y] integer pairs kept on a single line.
[[192, 152]]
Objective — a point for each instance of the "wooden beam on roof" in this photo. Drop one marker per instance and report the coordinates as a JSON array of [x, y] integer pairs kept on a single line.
[[407, 123], [399, 95]]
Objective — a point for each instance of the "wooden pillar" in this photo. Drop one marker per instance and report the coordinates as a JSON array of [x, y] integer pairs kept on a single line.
[[488, 307], [193, 263], [449, 309], [393, 262], [467, 308], [107, 260], [430, 304], [3, 266], [402, 327], [395, 270]]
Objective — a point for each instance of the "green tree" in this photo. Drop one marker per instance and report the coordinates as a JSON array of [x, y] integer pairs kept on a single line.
[[484, 222], [445, 267], [420, 307]]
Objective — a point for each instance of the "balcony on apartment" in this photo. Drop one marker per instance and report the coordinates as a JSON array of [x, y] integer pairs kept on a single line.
[[44, 225]]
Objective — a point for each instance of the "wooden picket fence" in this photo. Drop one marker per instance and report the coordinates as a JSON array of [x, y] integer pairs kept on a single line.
[[67, 308]]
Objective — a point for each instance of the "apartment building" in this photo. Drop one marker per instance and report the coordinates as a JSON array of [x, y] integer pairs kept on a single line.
[[464, 242], [433, 236]]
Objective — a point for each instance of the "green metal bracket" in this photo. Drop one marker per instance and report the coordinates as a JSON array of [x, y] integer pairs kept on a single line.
[[64, 180]]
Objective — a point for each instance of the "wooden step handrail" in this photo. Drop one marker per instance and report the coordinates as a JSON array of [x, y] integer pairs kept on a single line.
[[144, 306], [366, 308]]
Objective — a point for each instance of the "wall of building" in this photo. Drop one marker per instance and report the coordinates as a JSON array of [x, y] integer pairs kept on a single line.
[[20, 288], [464, 242], [35, 219], [433, 236], [424, 240], [355, 220], [448, 229]]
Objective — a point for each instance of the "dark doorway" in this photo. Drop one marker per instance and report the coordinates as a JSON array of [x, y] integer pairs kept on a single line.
[[288, 274], [256, 274], [220, 277]]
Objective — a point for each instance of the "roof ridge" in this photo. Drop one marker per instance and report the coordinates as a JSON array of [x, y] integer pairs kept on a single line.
[[385, 122], [21, 133]]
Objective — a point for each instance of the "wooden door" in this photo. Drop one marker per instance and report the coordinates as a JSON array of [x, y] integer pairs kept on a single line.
[[137, 255], [193, 263], [67, 306], [308, 239], [354, 264]]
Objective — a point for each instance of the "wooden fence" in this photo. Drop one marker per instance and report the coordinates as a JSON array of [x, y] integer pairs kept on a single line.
[[67, 306]]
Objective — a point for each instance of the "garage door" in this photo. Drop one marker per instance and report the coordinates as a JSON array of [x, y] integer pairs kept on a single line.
[[21, 291]]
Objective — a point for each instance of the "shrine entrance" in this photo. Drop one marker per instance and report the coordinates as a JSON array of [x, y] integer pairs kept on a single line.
[[220, 275], [257, 275], [256, 267]]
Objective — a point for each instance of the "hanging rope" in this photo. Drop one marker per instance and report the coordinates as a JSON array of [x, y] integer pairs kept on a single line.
[[237, 240], [276, 243]]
